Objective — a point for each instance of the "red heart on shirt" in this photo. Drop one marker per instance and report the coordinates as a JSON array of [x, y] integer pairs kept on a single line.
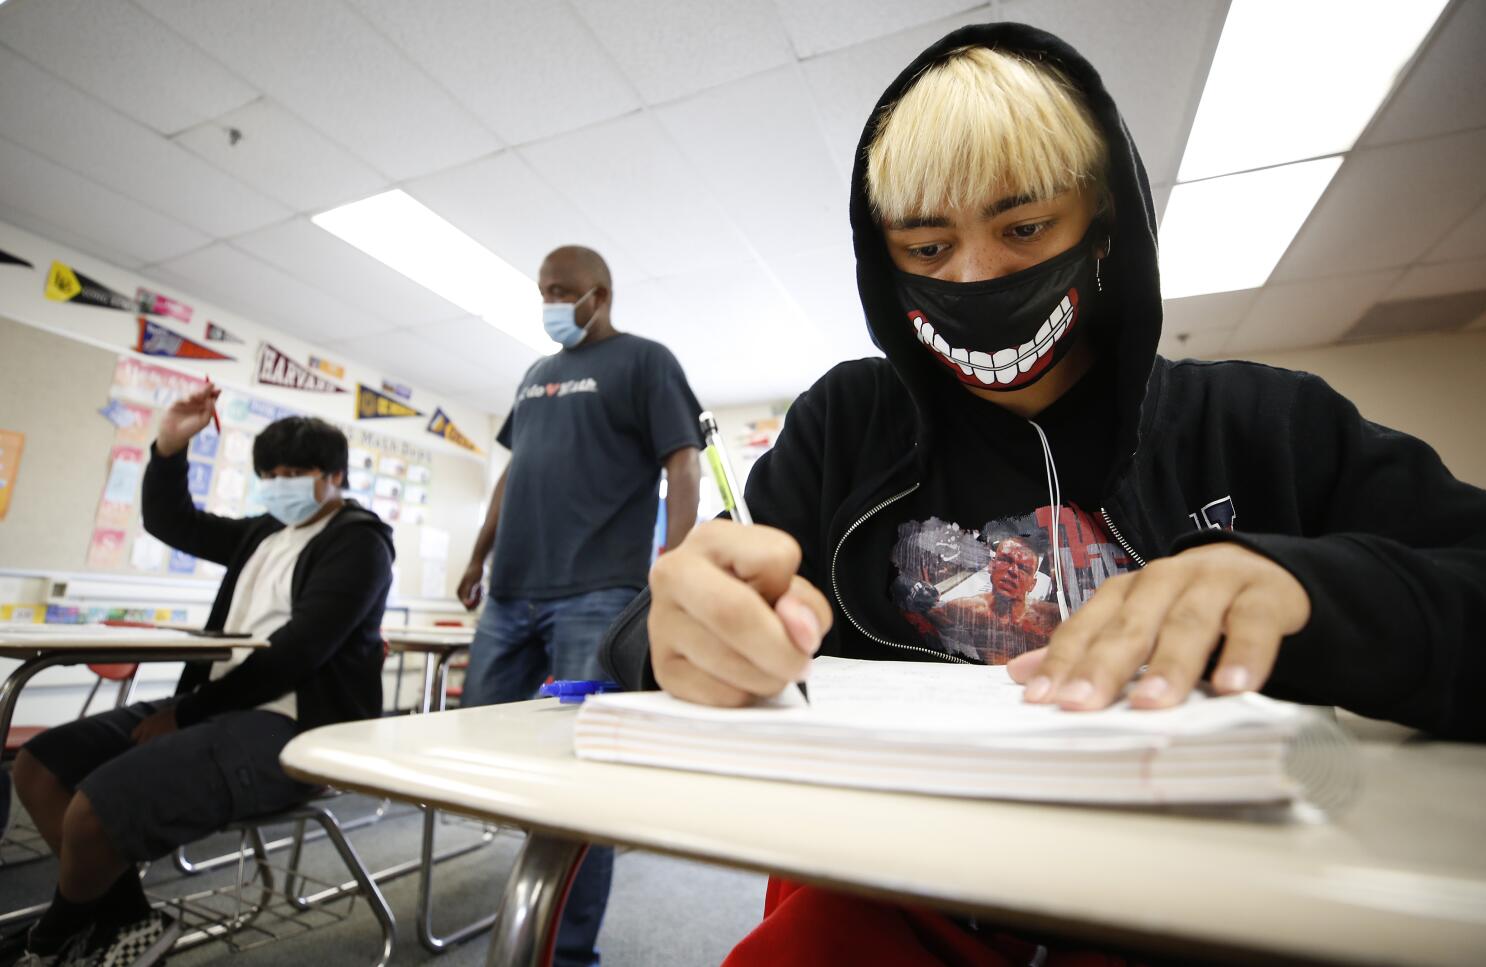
[[552, 389]]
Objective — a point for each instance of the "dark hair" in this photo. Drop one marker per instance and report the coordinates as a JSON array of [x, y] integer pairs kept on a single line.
[[300, 441]]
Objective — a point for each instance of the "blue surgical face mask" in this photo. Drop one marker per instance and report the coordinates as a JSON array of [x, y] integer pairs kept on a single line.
[[559, 319], [289, 499]]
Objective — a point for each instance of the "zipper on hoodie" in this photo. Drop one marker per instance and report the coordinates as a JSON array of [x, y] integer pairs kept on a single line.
[[1115, 532], [836, 586]]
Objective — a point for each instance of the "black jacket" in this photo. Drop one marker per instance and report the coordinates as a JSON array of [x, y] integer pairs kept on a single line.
[[330, 652], [1390, 547]]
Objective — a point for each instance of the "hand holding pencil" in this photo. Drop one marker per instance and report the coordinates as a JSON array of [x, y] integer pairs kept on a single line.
[[185, 418]]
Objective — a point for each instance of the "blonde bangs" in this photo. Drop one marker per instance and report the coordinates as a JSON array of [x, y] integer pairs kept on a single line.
[[980, 124]]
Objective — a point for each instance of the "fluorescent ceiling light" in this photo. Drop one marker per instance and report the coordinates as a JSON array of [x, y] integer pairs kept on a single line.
[[1298, 79], [404, 235], [1228, 233]]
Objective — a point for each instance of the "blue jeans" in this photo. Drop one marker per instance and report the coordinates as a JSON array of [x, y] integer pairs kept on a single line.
[[518, 643]]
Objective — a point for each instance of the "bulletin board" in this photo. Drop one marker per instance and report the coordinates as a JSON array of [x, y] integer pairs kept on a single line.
[[88, 416]]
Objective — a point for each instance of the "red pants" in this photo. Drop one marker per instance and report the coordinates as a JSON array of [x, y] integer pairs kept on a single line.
[[809, 926]]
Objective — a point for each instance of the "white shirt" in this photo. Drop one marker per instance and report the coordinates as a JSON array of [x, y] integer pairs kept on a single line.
[[261, 601]]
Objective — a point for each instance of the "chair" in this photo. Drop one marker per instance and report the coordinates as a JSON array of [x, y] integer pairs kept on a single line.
[[124, 674]]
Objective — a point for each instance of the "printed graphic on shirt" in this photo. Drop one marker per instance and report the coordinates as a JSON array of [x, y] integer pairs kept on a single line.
[[564, 388], [1215, 515], [991, 594]]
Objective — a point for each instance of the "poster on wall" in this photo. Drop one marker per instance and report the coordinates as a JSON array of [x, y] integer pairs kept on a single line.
[[7, 259], [277, 369], [155, 340], [11, 444], [327, 367], [374, 405], [444, 427], [66, 284], [155, 304]]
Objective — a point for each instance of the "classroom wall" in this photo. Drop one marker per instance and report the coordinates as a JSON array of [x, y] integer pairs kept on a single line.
[[1433, 387]]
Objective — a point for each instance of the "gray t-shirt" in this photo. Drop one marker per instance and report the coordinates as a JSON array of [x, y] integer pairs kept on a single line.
[[588, 434]]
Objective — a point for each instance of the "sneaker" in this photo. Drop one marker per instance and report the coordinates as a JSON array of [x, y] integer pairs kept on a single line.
[[70, 954], [138, 944]]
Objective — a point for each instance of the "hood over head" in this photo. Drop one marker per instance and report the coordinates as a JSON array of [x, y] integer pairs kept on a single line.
[[1131, 293]]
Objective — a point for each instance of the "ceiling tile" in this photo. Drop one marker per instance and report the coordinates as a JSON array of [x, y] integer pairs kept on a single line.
[[846, 83], [1442, 278], [72, 129], [332, 68], [823, 284], [1382, 211], [547, 77], [125, 58], [1157, 89], [752, 341], [345, 273], [283, 157], [671, 48], [96, 219], [504, 205], [827, 25], [407, 356], [758, 147], [641, 190], [1443, 91], [1311, 313], [1410, 317], [1209, 344], [243, 284], [1466, 240], [1205, 313], [498, 360]]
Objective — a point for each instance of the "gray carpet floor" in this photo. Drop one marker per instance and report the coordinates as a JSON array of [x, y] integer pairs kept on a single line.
[[663, 912]]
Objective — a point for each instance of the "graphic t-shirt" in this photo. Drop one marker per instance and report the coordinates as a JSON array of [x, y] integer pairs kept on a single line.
[[588, 434], [972, 571]]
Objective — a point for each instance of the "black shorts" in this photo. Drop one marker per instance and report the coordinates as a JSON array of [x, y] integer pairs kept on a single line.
[[177, 788]]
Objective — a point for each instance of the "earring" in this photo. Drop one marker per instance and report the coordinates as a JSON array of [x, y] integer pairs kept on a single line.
[[1098, 282]]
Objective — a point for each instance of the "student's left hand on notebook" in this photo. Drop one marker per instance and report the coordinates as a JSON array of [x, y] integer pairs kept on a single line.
[[155, 725], [1170, 617]]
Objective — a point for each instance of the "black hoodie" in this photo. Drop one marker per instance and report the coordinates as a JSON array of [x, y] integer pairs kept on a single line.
[[329, 653], [1389, 546]]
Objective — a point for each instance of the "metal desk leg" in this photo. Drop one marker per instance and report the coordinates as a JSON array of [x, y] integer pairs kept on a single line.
[[402, 660], [437, 692], [10, 690], [525, 932]]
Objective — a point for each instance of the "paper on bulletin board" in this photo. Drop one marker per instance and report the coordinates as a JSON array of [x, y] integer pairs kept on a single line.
[[433, 545], [11, 444], [148, 554], [124, 475], [432, 579]]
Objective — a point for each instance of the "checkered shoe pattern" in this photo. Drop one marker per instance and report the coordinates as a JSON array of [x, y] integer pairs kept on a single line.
[[139, 944]]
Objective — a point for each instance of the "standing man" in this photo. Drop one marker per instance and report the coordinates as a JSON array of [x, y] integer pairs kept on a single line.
[[573, 514]]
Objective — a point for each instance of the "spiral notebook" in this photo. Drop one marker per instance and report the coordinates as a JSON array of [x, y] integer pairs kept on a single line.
[[960, 730]]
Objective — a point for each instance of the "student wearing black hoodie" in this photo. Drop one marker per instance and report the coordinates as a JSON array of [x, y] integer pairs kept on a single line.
[[1024, 480], [130, 785]]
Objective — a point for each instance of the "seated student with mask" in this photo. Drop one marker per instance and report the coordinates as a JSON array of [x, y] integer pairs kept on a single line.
[[130, 785], [1023, 481]]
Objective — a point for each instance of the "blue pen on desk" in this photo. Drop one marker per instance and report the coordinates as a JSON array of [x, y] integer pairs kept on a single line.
[[727, 484], [573, 692]]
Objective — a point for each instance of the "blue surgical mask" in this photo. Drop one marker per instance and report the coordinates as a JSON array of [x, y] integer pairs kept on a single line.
[[289, 499], [559, 319]]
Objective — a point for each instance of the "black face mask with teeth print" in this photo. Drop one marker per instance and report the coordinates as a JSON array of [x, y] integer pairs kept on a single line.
[[1005, 334]]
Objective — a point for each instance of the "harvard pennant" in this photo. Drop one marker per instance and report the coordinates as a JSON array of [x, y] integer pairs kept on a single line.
[[66, 284], [442, 426], [372, 405], [156, 340], [277, 369]]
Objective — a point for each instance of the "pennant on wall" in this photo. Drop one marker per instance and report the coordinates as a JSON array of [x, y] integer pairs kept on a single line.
[[7, 259], [277, 369], [397, 389], [156, 340], [327, 367], [215, 333], [155, 304], [371, 405], [442, 426], [65, 284]]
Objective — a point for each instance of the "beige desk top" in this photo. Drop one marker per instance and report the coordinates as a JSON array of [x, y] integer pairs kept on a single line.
[[1399, 879], [425, 639], [27, 641]]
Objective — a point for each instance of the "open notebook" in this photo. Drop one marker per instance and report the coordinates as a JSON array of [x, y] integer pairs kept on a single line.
[[959, 730]]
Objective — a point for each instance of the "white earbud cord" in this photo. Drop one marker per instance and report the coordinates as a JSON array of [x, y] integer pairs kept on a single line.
[[1055, 504]]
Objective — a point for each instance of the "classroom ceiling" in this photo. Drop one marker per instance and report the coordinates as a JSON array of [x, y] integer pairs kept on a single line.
[[703, 146]]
